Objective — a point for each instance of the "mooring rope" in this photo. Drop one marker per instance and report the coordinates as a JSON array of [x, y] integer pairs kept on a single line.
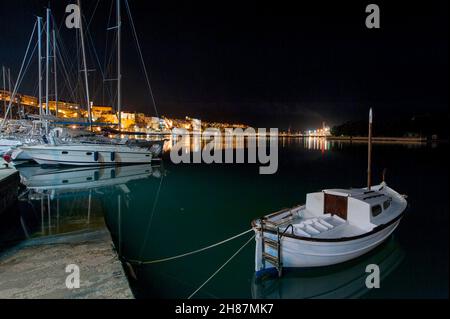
[[138, 262], [221, 267]]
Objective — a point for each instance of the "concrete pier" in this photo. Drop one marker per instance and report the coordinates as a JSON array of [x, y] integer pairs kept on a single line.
[[37, 268]]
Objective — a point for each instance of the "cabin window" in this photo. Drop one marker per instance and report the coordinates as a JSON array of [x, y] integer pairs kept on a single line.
[[65, 152], [89, 153], [376, 210], [386, 204]]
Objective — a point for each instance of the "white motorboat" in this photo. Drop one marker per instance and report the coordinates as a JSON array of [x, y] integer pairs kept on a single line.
[[334, 226], [88, 154]]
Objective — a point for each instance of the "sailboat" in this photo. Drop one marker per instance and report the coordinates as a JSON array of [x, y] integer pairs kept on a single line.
[[334, 226], [95, 153]]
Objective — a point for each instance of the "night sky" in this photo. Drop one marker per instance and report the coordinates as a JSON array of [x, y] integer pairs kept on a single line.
[[266, 64]]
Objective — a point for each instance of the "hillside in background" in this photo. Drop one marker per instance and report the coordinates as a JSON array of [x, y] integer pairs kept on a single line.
[[424, 125]]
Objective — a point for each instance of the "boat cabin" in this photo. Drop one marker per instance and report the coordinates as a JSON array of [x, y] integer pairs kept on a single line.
[[359, 207]]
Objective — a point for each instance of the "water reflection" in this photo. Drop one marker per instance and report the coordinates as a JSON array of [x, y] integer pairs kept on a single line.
[[337, 282], [317, 143], [195, 143], [54, 180], [59, 200]]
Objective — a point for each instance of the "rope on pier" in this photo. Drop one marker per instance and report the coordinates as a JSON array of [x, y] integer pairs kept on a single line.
[[138, 262], [221, 267]]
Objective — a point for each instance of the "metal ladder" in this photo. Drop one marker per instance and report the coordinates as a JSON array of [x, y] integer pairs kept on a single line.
[[275, 244]]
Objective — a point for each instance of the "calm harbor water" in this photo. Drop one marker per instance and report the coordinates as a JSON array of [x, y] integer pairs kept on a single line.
[[167, 209]]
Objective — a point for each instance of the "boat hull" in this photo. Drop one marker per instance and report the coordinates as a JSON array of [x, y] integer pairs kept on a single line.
[[309, 253], [20, 155], [88, 156]]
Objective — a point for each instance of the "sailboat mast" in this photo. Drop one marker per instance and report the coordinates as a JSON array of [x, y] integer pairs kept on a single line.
[[85, 71], [47, 56], [4, 88], [119, 61], [9, 89], [55, 74], [369, 152], [39, 23]]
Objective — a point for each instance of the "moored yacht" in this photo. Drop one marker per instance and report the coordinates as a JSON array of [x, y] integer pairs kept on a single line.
[[88, 154]]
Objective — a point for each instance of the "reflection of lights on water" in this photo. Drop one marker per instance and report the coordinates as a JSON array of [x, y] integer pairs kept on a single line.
[[317, 143], [196, 142]]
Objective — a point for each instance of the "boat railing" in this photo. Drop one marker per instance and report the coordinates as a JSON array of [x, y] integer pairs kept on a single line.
[[285, 231]]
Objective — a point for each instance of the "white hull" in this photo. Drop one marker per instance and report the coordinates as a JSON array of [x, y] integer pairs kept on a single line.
[[88, 154], [19, 154], [305, 253]]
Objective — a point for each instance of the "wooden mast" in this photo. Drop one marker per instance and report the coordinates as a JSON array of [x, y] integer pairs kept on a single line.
[[369, 152]]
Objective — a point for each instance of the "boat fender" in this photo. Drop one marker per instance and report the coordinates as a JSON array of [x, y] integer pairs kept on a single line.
[[113, 156], [113, 173], [7, 158], [96, 175], [96, 156]]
